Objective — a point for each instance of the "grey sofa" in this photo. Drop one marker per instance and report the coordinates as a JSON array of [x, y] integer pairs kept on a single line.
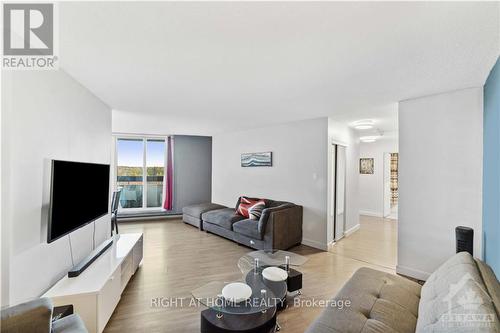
[[280, 226], [463, 295], [36, 317]]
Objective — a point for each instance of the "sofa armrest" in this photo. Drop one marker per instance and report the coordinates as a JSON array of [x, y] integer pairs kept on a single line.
[[266, 213], [282, 226], [34, 316]]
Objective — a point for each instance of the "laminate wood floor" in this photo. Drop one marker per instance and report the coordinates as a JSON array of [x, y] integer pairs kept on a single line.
[[178, 258], [374, 242]]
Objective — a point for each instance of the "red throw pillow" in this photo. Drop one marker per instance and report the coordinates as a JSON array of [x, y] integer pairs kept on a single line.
[[255, 211], [244, 206]]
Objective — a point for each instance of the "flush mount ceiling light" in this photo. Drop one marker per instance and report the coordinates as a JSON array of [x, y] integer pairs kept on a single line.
[[363, 124], [368, 139]]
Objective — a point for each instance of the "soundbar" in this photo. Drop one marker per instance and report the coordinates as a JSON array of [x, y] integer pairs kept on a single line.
[[78, 269]]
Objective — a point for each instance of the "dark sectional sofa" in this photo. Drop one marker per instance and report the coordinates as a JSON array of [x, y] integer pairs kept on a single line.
[[279, 227]]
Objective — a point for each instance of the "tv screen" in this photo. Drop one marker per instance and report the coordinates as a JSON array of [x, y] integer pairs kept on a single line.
[[79, 194]]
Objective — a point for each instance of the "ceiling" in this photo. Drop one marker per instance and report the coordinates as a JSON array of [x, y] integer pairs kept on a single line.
[[249, 64]]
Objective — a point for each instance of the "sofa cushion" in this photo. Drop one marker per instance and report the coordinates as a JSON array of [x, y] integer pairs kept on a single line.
[[248, 228], [198, 209], [380, 302], [456, 289], [224, 218]]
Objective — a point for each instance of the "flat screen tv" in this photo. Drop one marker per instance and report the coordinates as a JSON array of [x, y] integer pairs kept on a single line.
[[79, 194]]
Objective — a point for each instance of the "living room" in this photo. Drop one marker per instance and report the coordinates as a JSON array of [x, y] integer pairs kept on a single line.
[[337, 162]]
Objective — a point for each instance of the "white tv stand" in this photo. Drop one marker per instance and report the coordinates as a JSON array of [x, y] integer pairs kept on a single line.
[[96, 292]]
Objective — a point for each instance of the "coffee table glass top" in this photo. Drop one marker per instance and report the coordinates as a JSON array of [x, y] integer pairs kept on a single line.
[[269, 258], [266, 295], [263, 296]]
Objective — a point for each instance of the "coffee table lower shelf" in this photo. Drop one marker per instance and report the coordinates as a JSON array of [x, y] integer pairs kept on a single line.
[[241, 323]]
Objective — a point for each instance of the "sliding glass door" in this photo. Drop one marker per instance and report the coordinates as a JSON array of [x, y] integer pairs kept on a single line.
[[140, 165]]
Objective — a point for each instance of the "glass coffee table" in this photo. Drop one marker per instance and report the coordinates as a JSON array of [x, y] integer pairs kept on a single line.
[[265, 293], [257, 313], [288, 261]]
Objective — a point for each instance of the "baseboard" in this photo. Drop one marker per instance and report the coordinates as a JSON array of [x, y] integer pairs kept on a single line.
[[411, 272], [351, 230], [315, 244], [148, 218], [371, 213]]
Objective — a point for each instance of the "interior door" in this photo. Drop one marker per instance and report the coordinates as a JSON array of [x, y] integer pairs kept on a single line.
[[340, 192], [387, 184]]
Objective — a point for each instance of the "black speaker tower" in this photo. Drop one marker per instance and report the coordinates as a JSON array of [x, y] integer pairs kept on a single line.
[[465, 239]]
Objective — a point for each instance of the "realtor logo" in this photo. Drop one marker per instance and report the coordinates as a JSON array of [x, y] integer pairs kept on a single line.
[[28, 36]]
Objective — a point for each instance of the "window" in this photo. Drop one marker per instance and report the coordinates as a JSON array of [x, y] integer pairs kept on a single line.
[[155, 166], [140, 165]]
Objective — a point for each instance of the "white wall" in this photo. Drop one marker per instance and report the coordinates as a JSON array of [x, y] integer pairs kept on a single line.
[[340, 133], [4, 230], [440, 175], [45, 115], [371, 187], [298, 174]]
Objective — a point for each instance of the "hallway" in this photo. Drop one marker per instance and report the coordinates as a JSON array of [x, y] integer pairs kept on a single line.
[[375, 242]]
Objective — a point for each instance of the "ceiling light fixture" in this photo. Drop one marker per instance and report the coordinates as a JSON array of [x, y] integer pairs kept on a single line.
[[368, 139], [363, 124]]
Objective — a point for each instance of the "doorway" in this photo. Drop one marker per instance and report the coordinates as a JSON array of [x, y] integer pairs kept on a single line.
[[391, 184], [339, 191]]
